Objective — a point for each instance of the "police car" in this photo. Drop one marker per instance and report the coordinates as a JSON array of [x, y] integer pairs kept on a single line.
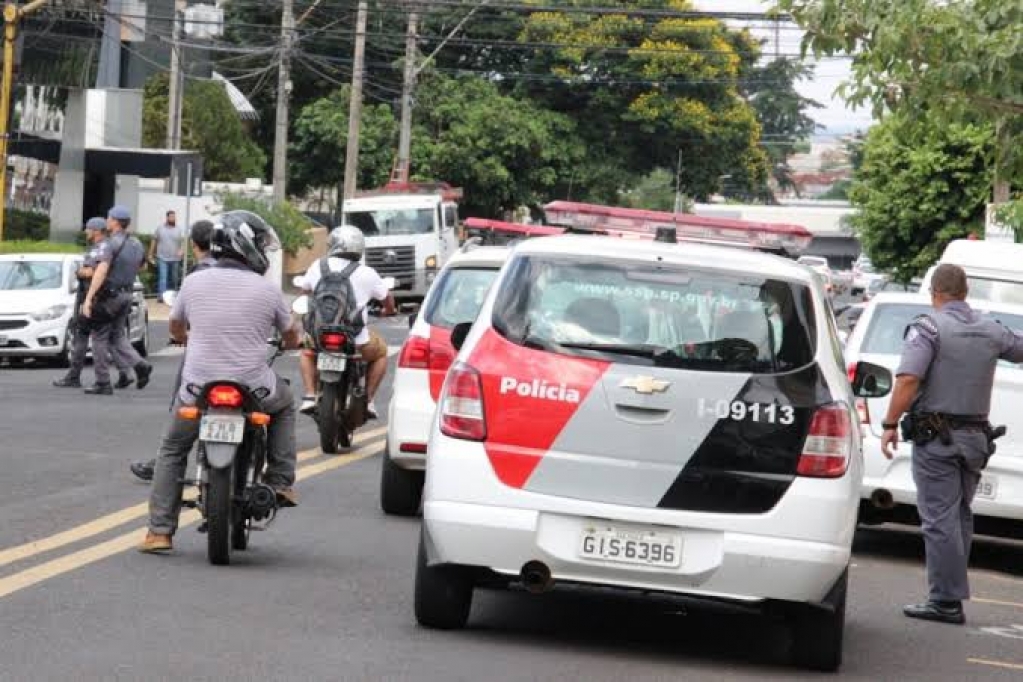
[[889, 492], [456, 296], [654, 417]]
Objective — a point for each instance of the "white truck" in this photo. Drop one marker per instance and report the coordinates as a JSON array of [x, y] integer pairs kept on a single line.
[[411, 230], [994, 270]]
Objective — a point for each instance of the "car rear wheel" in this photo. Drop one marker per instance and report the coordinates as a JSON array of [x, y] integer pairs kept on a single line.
[[443, 594], [401, 490], [142, 345], [817, 632]]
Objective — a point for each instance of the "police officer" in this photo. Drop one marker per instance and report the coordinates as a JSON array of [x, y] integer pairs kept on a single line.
[[95, 233], [108, 302], [944, 380], [201, 233]]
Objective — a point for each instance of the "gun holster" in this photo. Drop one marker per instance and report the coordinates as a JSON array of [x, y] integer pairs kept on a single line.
[[923, 427]]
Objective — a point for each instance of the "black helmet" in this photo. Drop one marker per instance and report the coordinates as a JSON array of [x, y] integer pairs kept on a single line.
[[245, 237]]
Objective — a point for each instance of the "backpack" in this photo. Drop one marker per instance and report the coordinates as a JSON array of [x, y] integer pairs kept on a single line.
[[333, 301]]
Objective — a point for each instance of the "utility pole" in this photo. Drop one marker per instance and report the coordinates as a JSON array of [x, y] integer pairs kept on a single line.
[[408, 85], [175, 94], [12, 15], [355, 108], [280, 173]]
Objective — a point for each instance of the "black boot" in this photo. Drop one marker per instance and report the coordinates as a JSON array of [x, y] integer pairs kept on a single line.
[[144, 470], [69, 381], [142, 372], [100, 389], [941, 612], [124, 381]]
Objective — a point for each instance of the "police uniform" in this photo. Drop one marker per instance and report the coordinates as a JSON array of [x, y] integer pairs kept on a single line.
[[953, 352], [124, 255]]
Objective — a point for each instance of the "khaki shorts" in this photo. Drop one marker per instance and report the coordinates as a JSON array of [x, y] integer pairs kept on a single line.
[[371, 351]]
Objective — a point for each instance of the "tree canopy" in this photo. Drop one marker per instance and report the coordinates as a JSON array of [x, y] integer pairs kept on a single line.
[[922, 183]]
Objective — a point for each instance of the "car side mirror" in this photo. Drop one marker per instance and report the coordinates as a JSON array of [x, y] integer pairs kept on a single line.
[[459, 333], [871, 381]]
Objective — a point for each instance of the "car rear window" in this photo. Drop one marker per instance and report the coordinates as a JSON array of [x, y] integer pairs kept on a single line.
[[650, 314], [889, 321], [459, 295]]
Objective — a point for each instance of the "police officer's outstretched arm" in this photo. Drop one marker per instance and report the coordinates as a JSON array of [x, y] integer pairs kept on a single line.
[[1011, 346], [918, 351]]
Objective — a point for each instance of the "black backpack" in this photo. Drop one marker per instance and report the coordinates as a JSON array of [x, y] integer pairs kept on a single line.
[[333, 301]]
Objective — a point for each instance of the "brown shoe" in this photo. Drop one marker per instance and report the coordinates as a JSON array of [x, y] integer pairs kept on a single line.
[[286, 497], [156, 544]]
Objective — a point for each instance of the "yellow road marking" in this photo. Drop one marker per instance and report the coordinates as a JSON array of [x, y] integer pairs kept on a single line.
[[997, 602], [996, 664], [118, 518], [84, 557]]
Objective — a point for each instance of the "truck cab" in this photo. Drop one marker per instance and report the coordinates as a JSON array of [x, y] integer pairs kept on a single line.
[[411, 230], [993, 270]]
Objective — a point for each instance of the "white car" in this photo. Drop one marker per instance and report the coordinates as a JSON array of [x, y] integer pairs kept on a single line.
[[653, 417], [865, 278], [37, 298], [456, 296], [820, 265], [889, 493]]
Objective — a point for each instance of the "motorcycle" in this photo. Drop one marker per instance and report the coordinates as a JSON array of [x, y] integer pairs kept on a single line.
[[230, 460], [343, 403]]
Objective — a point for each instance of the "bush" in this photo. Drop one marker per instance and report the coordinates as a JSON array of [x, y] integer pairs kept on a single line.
[[292, 226], [31, 246], [26, 225]]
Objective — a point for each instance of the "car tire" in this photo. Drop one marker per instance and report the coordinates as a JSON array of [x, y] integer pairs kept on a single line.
[[401, 490], [63, 359], [817, 632], [443, 594], [142, 345]]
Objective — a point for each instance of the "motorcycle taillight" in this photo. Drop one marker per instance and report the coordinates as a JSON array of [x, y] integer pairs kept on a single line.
[[332, 341], [224, 396]]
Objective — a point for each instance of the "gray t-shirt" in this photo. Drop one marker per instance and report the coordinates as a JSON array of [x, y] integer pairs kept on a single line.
[[124, 261], [231, 313], [169, 240]]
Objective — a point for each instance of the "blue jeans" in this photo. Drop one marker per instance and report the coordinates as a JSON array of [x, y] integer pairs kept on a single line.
[[167, 274]]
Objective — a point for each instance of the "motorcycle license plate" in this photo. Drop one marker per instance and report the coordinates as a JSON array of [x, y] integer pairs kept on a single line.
[[331, 363], [222, 428]]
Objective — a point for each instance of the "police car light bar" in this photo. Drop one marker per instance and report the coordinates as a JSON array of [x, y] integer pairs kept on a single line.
[[779, 237], [497, 232]]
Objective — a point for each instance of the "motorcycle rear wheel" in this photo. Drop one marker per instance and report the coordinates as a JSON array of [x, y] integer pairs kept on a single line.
[[219, 510]]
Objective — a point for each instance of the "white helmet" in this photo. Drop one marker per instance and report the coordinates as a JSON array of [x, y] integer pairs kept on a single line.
[[346, 241]]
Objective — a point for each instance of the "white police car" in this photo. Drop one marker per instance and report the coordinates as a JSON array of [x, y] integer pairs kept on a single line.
[[456, 296], [654, 417]]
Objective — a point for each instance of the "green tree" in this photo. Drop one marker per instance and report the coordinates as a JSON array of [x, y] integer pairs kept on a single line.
[[291, 225], [320, 142], [921, 185], [955, 60], [209, 124], [505, 152], [782, 112], [655, 192], [644, 87]]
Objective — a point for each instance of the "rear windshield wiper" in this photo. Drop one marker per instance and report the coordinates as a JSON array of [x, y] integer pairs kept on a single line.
[[616, 348]]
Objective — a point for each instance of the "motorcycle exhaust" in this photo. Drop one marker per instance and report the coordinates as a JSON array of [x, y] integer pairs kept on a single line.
[[882, 499], [262, 502], [536, 577]]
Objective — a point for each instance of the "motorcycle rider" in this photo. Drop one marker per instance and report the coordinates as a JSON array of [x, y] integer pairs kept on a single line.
[[225, 314], [345, 245]]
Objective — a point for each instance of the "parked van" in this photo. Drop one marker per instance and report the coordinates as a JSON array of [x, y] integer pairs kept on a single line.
[[994, 270]]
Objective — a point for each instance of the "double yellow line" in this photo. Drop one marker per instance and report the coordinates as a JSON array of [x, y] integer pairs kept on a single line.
[[69, 562]]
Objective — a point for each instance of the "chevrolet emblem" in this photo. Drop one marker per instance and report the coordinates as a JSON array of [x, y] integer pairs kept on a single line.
[[646, 385]]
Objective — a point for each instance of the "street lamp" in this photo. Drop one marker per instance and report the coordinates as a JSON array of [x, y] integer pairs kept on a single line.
[[12, 15]]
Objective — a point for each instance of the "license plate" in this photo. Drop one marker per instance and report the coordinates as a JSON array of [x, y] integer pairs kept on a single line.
[[221, 428], [639, 547], [331, 363], [987, 489]]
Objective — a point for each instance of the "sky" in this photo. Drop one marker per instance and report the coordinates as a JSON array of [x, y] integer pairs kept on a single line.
[[835, 116]]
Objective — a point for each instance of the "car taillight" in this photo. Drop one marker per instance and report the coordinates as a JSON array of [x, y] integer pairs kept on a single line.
[[461, 406], [332, 341], [851, 371], [423, 353], [224, 396], [415, 354], [828, 444], [863, 411]]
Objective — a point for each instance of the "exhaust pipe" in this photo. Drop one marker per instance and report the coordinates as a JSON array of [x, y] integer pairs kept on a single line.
[[882, 499], [536, 577]]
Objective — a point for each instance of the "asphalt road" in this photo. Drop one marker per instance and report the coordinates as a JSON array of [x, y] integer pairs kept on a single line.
[[325, 593]]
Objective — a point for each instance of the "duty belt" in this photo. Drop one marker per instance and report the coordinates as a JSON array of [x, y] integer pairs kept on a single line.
[[118, 290], [955, 421]]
